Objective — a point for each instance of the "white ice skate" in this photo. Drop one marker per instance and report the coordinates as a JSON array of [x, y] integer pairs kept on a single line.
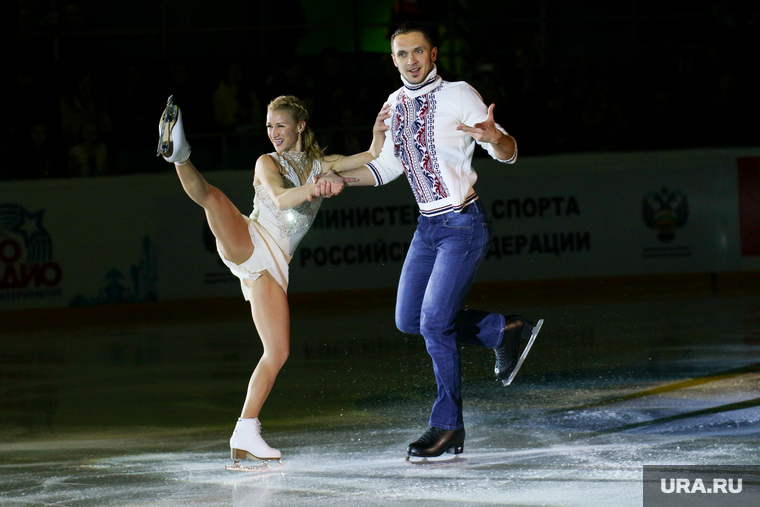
[[172, 144], [246, 443]]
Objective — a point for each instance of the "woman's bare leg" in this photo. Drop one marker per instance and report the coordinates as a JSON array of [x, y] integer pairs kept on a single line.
[[269, 307], [227, 224]]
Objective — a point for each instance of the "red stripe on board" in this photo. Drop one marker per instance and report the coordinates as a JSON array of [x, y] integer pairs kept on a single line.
[[749, 204]]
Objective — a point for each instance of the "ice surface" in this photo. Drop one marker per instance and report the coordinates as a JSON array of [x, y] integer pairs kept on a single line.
[[140, 415]]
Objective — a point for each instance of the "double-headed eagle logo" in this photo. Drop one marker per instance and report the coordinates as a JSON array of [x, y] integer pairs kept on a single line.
[[665, 211]]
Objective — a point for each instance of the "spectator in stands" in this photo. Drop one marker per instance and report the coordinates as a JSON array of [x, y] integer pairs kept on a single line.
[[83, 104], [235, 102], [90, 156]]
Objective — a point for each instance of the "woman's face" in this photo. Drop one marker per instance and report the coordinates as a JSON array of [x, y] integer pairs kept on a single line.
[[283, 131]]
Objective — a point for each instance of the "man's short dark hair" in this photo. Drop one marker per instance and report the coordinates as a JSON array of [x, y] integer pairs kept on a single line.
[[411, 27]]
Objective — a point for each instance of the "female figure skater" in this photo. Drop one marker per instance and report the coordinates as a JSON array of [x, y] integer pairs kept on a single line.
[[258, 248]]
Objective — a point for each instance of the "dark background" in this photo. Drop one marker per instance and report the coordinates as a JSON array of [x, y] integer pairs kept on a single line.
[[85, 81]]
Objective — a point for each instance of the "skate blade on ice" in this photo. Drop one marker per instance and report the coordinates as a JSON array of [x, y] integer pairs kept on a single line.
[[520, 361], [168, 119], [264, 466], [442, 460]]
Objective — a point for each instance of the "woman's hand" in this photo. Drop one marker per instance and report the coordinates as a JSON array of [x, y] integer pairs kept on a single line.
[[329, 184]]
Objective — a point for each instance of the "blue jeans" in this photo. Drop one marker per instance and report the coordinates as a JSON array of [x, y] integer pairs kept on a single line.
[[438, 272]]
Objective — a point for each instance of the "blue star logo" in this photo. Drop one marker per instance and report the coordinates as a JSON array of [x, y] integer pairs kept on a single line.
[[15, 220], [30, 225]]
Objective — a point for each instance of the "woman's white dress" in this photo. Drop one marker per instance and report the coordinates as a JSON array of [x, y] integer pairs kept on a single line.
[[275, 233]]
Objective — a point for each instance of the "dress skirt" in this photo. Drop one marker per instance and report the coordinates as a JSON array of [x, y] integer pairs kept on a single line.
[[267, 256]]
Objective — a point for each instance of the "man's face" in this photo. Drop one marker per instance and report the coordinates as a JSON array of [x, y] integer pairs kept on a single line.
[[413, 56]]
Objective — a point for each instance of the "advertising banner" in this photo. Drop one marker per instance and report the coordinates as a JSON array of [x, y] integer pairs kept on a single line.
[[140, 238]]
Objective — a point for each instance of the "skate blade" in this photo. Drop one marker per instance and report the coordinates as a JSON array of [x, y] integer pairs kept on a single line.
[[265, 466], [442, 460], [520, 361], [168, 120]]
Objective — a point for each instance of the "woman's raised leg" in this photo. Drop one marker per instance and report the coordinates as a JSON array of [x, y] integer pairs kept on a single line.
[[225, 220]]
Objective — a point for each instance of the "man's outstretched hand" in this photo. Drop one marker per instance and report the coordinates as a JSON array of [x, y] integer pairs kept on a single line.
[[484, 131], [488, 131]]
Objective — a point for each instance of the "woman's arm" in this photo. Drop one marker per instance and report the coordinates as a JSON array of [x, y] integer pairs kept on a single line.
[[271, 179]]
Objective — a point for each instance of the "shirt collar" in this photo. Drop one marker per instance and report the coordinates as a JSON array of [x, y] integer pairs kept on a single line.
[[428, 85]]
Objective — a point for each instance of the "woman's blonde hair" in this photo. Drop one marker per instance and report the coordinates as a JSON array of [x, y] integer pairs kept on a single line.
[[296, 108]]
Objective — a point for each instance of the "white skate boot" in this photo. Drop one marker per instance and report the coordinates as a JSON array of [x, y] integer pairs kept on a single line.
[[246, 443], [172, 144]]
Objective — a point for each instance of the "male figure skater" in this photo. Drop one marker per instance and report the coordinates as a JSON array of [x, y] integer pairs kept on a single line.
[[434, 126]]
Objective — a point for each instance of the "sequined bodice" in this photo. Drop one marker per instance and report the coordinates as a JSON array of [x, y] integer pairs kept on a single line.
[[287, 226]]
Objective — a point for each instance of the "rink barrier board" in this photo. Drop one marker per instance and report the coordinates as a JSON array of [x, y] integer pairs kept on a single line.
[[139, 238], [487, 294]]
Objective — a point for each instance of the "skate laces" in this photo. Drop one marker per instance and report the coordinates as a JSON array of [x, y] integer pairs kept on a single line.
[[261, 440], [430, 436]]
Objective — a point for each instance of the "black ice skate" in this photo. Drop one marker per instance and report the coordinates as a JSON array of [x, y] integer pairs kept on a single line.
[[434, 443], [172, 144], [517, 333]]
